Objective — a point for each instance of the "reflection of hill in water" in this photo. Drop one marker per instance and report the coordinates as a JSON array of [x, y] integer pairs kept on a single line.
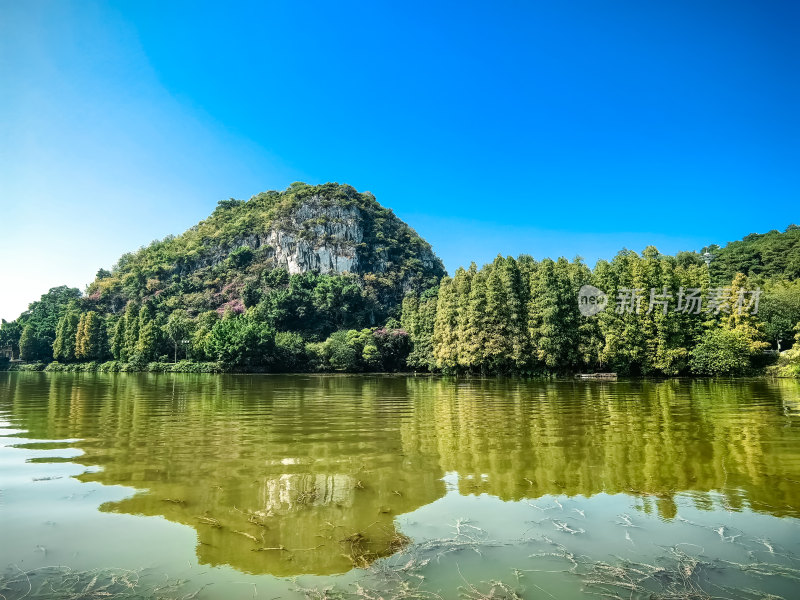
[[289, 475]]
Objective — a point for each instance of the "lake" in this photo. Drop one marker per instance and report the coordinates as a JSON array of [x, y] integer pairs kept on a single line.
[[306, 486]]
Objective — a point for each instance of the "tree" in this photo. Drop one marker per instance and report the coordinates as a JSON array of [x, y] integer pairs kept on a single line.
[[44, 314], [118, 349], [738, 316], [496, 322], [131, 331], [470, 339], [779, 310], [290, 352], [10, 333], [199, 345], [462, 284], [721, 352], [553, 316], [237, 341], [32, 347], [445, 348], [66, 334], [178, 328], [341, 351], [147, 344], [393, 347], [418, 319], [516, 291], [91, 340]]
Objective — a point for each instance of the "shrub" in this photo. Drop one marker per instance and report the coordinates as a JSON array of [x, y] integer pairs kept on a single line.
[[290, 352], [721, 352]]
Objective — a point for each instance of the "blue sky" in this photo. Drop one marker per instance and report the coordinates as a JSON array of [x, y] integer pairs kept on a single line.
[[556, 128]]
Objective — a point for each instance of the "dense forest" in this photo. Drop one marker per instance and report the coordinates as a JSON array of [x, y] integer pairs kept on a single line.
[[249, 289]]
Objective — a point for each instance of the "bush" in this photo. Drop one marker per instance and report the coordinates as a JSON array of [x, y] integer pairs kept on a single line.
[[237, 341], [721, 352], [339, 354], [290, 352], [112, 366], [187, 366], [38, 366]]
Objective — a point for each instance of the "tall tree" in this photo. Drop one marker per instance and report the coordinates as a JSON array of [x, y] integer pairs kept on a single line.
[[553, 316], [66, 333], [472, 342], [118, 348], [131, 331], [445, 349], [418, 319], [32, 347], [178, 329], [148, 343]]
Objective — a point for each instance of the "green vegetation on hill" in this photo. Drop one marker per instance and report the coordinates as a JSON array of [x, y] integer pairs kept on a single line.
[[221, 297], [227, 260], [772, 255]]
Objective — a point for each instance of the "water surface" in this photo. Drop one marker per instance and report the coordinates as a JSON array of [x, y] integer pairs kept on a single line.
[[416, 487]]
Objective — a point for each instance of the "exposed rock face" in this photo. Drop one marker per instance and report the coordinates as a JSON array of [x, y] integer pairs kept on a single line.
[[316, 237], [325, 237]]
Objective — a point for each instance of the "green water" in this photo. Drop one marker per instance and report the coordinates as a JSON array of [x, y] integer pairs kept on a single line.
[[397, 487]]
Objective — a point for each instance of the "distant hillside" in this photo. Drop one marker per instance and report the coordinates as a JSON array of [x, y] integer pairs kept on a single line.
[[772, 255], [328, 229]]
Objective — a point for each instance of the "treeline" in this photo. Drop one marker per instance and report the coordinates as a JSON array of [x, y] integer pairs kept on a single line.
[[768, 255], [520, 316], [665, 315], [303, 322]]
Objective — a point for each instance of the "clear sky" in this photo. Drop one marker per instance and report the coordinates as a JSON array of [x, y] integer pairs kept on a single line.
[[551, 128]]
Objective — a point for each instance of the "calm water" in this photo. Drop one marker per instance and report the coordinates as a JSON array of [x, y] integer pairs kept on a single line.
[[396, 487]]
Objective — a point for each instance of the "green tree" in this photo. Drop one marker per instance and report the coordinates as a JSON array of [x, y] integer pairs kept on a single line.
[[290, 352], [496, 322], [10, 333], [66, 333], [32, 347], [418, 319], [516, 291], [237, 341], [148, 342], [118, 347], [91, 339], [179, 329], [131, 331], [553, 316], [445, 343], [462, 284], [779, 310], [721, 352], [738, 316], [470, 341]]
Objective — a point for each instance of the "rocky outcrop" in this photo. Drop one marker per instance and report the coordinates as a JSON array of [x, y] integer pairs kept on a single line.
[[317, 236], [322, 236]]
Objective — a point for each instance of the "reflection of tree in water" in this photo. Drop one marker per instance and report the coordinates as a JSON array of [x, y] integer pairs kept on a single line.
[[291, 475], [281, 475], [517, 439]]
